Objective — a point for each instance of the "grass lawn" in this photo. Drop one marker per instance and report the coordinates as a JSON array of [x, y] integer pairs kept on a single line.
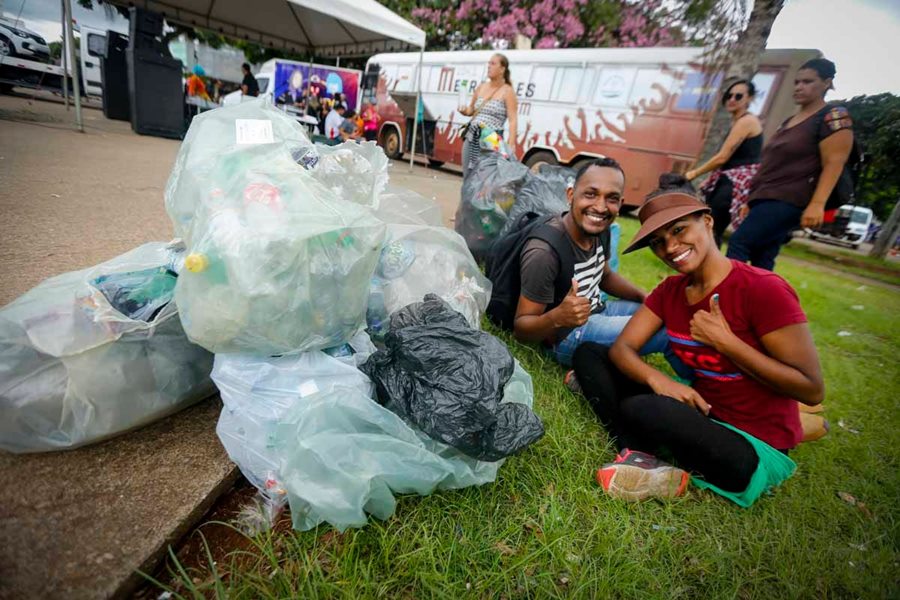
[[853, 262], [545, 530]]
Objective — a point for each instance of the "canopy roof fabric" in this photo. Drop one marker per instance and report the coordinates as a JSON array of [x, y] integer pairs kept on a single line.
[[323, 28]]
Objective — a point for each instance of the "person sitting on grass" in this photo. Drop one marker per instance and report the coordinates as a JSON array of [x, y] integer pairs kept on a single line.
[[562, 321], [743, 332]]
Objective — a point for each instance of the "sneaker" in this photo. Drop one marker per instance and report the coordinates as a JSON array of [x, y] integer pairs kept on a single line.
[[572, 383], [634, 476]]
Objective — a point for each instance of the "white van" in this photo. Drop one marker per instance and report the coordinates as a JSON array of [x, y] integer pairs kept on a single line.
[[850, 226], [93, 49]]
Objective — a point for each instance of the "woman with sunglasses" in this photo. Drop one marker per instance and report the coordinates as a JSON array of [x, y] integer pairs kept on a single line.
[[799, 169], [745, 335], [736, 162]]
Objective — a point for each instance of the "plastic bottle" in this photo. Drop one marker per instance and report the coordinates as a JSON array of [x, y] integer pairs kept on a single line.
[[207, 264]]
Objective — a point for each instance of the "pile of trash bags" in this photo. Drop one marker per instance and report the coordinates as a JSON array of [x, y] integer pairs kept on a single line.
[[298, 258], [91, 354], [338, 318], [499, 189]]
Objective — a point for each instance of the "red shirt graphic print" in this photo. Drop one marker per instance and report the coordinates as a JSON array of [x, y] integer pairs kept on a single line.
[[754, 302]]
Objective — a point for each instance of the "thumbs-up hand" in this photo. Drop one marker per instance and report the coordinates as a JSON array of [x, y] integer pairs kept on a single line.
[[573, 311], [711, 328]]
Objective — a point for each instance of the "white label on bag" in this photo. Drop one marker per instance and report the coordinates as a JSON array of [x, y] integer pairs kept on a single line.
[[253, 131], [308, 388]]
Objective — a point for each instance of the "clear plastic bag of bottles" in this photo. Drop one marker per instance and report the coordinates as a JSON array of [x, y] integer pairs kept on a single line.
[[353, 171], [76, 369], [304, 429], [488, 193], [418, 260], [400, 206], [257, 392], [276, 262]]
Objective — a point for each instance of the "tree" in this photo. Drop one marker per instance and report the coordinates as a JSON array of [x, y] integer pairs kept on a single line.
[[876, 127], [735, 56], [474, 24]]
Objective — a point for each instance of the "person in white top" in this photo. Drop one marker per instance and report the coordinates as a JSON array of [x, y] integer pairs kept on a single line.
[[333, 122]]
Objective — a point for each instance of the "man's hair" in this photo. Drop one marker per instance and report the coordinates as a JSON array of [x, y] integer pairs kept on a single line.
[[245, 66], [339, 106], [607, 162]]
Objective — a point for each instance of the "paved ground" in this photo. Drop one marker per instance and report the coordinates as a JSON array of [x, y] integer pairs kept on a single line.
[[77, 524]]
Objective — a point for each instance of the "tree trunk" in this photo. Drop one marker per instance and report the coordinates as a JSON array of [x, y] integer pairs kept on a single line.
[[743, 62], [889, 233]]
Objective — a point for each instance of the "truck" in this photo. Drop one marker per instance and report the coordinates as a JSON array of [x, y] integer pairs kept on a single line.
[[850, 226], [283, 80], [648, 108]]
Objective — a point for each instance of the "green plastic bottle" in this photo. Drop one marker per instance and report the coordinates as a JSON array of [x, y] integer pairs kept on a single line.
[[209, 265]]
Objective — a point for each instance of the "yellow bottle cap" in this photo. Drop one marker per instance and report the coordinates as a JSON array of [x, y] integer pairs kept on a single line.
[[196, 262]]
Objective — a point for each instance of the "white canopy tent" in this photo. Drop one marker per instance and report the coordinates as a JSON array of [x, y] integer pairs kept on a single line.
[[323, 28]]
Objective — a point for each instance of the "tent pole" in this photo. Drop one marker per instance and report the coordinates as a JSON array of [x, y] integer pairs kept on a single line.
[[76, 89], [412, 150], [65, 60], [308, 76]]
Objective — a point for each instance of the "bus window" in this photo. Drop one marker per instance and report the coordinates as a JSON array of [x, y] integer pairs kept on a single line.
[[614, 87], [764, 84], [542, 82], [521, 76], [651, 86], [405, 78], [695, 93], [568, 83]]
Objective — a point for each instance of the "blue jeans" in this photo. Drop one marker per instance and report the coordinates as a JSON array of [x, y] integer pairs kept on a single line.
[[603, 328], [760, 236]]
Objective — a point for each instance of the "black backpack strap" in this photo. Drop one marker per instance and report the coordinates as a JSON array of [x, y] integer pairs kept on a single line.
[[562, 246]]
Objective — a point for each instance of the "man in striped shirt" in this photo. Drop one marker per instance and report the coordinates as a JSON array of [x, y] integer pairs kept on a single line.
[[560, 303]]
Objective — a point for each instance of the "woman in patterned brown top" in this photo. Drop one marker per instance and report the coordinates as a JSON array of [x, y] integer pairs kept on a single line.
[[799, 169]]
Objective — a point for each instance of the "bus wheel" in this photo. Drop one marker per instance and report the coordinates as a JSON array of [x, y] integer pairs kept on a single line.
[[390, 141], [435, 164], [539, 158]]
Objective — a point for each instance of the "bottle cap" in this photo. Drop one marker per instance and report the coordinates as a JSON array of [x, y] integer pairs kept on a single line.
[[196, 262]]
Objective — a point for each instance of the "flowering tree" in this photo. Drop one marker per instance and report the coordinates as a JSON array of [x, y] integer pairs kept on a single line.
[[548, 23]]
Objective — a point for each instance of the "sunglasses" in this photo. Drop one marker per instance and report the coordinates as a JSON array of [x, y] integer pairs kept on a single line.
[[737, 96]]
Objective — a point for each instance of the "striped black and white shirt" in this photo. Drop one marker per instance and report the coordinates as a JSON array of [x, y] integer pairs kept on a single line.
[[539, 268]]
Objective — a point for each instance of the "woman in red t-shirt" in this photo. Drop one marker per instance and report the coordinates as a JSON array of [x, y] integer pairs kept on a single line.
[[742, 331]]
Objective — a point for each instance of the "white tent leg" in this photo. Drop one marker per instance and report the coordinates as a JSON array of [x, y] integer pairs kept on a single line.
[[412, 150], [65, 60], [70, 38]]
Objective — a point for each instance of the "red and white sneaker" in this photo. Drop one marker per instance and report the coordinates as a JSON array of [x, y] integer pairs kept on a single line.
[[635, 476], [572, 383]]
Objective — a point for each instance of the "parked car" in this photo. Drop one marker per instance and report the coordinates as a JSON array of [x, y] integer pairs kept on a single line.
[[16, 40]]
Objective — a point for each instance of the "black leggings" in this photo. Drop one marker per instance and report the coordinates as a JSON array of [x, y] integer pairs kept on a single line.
[[719, 201], [641, 420]]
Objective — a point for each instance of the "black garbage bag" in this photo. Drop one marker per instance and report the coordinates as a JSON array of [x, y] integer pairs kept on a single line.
[[542, 193], [447, 379]]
